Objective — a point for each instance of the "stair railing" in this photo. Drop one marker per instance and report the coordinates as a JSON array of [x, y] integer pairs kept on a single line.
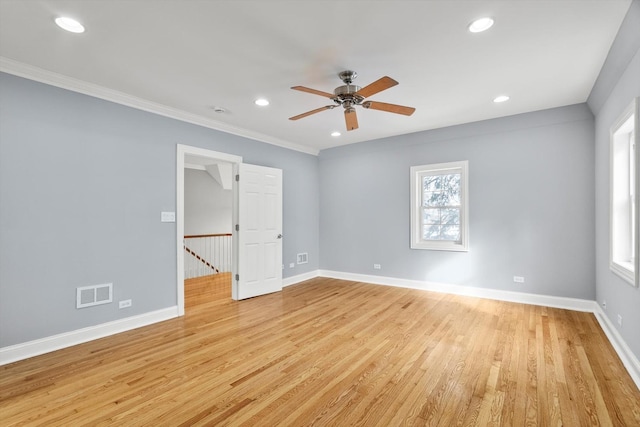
[[207, 254]]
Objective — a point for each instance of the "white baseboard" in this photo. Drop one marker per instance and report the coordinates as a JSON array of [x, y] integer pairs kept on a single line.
[[56, 342], [37, 347], [495, 294], [34, 348], [629, 360], [299, 278]]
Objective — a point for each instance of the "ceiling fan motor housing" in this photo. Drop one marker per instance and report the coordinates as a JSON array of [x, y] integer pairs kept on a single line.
[[347, 94]]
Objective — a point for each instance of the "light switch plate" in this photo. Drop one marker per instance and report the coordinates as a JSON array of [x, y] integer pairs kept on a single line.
[[167, 217]]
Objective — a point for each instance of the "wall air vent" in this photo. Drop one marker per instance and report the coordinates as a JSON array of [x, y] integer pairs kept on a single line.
[[303, 258], [88, 296]]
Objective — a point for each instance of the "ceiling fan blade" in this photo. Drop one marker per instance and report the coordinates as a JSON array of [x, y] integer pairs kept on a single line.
[[351, 119], [391, 108], [308, 113], [377, 86], [314, 91]]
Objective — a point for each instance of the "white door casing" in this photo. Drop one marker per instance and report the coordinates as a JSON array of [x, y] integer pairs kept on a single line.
[[184, 154], [259, 247]]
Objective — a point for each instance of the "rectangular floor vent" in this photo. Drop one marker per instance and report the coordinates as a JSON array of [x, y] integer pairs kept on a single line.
[[87, 296], [303, 258]]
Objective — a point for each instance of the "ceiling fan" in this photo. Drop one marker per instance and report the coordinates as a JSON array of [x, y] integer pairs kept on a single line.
[[350, 95]]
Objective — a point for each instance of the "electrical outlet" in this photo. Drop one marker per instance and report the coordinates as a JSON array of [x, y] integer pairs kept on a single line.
[[167, 217], [124, 303], [376, 266], [291, 265], [518, 279], [619, 320]]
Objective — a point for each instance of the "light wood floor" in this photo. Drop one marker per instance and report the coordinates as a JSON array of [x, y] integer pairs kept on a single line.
[[331, 352]]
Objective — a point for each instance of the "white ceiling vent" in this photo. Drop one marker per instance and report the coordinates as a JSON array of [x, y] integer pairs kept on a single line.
[[87, 296]]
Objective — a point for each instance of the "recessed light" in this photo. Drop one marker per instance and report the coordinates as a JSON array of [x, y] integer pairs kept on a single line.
[[69, 24], [501, 98], [480, 25], [261, 102], [336, 133]]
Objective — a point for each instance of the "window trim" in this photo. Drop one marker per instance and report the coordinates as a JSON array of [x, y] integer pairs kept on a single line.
[[626, 270], [416, 205]]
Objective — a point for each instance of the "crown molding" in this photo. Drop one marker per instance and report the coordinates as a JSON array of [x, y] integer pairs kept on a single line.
[[30, 72]]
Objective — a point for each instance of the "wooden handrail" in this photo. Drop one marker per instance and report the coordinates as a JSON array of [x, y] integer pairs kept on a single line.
[[204, 261], [207, 235]]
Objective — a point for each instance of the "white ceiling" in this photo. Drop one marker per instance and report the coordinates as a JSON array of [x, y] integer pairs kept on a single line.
[[181, 57]]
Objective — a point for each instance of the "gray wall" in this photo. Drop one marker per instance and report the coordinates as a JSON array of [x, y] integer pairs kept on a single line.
[[617, 85], [531, 204], [207, 206], [77, 208], [82, 185]]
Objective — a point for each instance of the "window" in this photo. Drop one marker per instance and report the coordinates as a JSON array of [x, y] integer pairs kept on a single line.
[[623, 252], [439, 207]]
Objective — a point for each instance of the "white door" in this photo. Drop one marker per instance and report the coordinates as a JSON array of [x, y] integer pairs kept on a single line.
[[259, 269]]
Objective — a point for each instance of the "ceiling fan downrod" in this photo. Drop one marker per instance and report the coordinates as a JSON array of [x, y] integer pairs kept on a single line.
[[347, 76]]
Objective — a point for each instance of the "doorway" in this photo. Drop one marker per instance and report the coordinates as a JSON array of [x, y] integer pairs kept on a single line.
[[190, 157], [256, 266], [208, 226]]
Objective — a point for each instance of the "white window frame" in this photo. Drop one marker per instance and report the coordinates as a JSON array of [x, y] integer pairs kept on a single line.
[[623, 200], [417, 173]]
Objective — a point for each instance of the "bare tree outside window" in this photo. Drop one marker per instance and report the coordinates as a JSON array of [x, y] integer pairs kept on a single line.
[[439, 211], [441, 207]]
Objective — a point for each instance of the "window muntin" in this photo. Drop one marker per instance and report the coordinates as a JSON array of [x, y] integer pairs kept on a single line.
[[623, 203], [439, 206]]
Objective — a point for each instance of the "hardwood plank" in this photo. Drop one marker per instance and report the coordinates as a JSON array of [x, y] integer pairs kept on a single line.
[[332, 352]]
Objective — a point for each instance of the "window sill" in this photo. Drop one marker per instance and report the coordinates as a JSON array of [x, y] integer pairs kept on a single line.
[[440, 246], [624, 270]]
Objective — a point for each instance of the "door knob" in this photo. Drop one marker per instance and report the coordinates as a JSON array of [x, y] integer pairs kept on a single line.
[[279, 236]]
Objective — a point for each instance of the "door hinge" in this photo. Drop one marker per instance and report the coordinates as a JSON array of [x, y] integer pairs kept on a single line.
[[237, 178], [237, 277], [237, 227]]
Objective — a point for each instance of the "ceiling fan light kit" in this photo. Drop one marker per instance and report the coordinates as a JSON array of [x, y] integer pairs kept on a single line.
[[349, 96]]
